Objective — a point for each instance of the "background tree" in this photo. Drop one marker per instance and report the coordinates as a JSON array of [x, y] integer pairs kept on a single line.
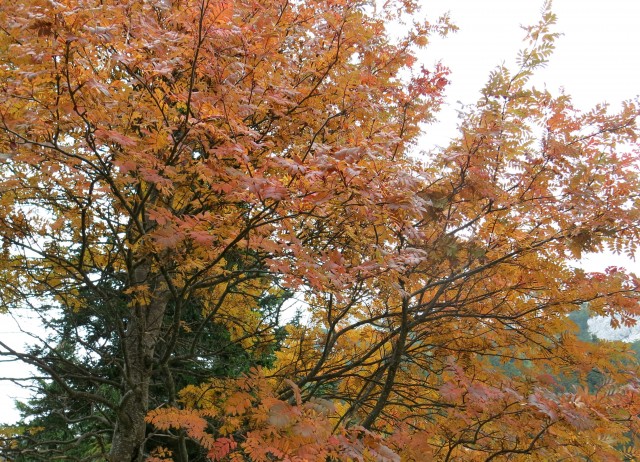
[[82, 348], [179, 169]]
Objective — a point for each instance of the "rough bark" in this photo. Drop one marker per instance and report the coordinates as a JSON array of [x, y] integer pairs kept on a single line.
[[139, 343]]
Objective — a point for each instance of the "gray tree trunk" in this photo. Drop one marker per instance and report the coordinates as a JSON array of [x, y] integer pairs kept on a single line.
[[141, 337]]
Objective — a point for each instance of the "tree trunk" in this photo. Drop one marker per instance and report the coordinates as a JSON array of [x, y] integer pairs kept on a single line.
[[139, 343]]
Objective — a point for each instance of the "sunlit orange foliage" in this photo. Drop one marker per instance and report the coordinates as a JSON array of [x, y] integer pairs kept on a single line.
[[270, 427], [173, 165]]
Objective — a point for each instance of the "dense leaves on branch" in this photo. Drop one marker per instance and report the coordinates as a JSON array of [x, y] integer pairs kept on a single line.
[[177, 172]]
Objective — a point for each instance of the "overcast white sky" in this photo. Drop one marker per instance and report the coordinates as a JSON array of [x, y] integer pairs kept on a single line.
[[595, 61]]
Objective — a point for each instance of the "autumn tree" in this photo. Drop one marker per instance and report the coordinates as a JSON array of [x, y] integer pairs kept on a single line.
[[176, 171]]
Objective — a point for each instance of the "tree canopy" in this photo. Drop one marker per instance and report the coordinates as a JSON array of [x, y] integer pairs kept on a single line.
[[177, 172]]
